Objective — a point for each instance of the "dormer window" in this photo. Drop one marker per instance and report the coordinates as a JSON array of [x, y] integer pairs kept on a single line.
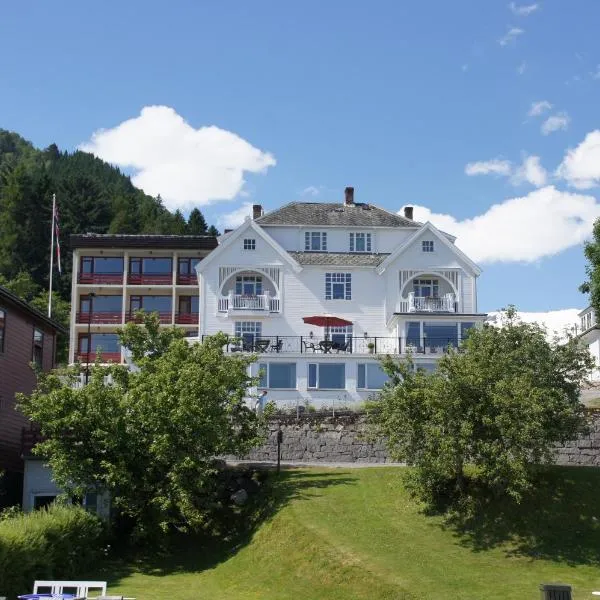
[[249, 244], [360, 242], [315, 241], [427, 245]]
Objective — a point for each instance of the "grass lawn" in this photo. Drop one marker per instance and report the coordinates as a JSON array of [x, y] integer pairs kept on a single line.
[[355, 534]]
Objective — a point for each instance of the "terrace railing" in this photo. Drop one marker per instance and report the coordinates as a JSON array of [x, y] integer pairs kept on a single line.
[[445, 303], [135, 317], [103, 278], [150, 279], [186, 318], [99, 317], [261, 302]]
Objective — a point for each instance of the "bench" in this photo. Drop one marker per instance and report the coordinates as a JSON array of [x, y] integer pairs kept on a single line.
[[81, 589]]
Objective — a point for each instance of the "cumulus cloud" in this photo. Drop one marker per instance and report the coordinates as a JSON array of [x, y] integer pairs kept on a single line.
[[522, 68], [311, 190], [524, 229], [524, 10], [581, 165], [510, 36], [186, 166], [236, 217], [495, 166], [530, 171], [555, 123], [556, 322], [538, 108]]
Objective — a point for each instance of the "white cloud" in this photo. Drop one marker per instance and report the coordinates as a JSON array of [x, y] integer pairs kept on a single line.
[[555, 321], [538, 108], [531, 171], [596, 74], [556, 122], [524, 10], [522, 68], [524, 229], [311, 190], [186, 166], [510, 36], [465, 68], [581, 166], [236, 217], [495, 166]]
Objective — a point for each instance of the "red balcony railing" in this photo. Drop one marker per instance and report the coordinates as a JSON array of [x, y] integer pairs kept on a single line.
[[187, 279], [156, 279], [105, 278], [114, 357], [186, 318], [99, 317], [133, 317]]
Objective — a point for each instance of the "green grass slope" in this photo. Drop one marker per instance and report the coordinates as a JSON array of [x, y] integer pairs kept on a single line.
[[355, 534]]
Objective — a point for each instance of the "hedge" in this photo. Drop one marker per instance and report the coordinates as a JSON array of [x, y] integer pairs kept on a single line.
[[60, 542]]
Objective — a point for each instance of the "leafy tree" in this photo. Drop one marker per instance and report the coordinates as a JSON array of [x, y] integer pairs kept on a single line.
[[494, 410], [592, 253], [212, 230], [196, 223], [150, 438]]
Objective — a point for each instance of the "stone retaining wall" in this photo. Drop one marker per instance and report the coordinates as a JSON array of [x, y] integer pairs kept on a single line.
[[318, 437]]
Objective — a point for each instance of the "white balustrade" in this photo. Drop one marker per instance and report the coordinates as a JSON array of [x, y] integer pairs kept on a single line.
[[261, 302], [443, 303]]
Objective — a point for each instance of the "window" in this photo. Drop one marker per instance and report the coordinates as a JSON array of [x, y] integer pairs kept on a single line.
[[464, 329], [2, 328], [248, 331], [277, 375], [160, 304], [101, 304], [102, 265], [150, 266], [427, 245], [360, 242], [426, 288], [250, 244], [38, 348], [90, 502], [101, 342], [43, 500], [188, 304], [315, 241], [187, 266], [340, 335], [248, 285], [371, 376], [428, 367], [327, 376], [338, 286]]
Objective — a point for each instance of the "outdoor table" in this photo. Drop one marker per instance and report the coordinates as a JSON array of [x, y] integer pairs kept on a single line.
[[326, 346]]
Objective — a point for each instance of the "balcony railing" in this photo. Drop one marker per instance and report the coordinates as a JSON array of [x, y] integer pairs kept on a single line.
[[150, 279], [340, 345], [84, 357], [189, 279], [186, 318], [99, 317], [412, 303], [134, 317], [262, 302], [100, 278]]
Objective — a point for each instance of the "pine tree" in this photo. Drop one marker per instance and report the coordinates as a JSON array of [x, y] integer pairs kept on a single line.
[[196, 223], [212, 230]]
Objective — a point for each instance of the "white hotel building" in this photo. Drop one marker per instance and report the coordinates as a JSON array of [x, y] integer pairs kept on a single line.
[[403, 286]]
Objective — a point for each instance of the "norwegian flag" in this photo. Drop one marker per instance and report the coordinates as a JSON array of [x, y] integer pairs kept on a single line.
[[57, 237]]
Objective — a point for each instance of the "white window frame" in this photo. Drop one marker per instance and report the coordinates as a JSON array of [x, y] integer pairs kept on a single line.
[[336, 278], [427, 246], [317, 382], [365, 239], [365, 366], [249, 328], [266, 367], [249, 244], [315, 236], [431, 282]]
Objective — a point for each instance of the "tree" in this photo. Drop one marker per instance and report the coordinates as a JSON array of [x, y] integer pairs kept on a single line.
[[212, 230], [196, 223], [592, 253], [494, 410], [150, 438]]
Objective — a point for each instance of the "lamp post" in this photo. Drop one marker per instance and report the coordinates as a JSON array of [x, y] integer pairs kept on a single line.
[[91, 297]]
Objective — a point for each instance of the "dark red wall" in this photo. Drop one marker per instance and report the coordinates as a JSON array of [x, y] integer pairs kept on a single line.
[[16, 376]]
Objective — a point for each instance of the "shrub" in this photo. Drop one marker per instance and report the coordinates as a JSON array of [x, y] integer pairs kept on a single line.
[[60, 542]]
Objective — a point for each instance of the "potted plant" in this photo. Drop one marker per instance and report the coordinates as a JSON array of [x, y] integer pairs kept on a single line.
[[371, 347]]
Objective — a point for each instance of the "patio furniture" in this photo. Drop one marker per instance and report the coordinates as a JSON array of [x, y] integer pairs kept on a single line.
[[81, 588], [326, 346], [277, 347], [342, 347], [261, 345], [310, 346]]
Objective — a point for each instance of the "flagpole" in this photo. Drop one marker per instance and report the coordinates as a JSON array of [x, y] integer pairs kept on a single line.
[[51, 254]]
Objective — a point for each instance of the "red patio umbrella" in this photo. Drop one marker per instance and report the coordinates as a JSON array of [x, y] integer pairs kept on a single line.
[[326, 321]]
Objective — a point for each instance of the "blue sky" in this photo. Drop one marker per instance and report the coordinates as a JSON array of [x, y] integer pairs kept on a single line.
[[402, 100]]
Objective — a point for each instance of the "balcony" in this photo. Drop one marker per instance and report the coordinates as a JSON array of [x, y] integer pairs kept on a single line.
[[100, 278], [431, 304], [99, 318], [236, 303], [186, 318], [134, 317], [114, 357], [190, 279], [150, 279]]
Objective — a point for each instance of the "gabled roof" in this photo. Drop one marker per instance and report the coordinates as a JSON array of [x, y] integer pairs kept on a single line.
[[175, 242], [249, 224], [339, 259], [335, 214], [440, 236], [10, 298]]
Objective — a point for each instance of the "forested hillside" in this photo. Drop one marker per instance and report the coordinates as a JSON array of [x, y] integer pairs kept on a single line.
[[92, 196]]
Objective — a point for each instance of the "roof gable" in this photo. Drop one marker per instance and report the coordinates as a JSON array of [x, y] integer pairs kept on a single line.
[[440, 236], [328, 214], [249, 224]]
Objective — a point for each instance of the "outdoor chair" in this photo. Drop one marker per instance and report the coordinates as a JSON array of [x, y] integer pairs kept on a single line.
[[277, 347], [261, 345], [310, 346], [342, 347]]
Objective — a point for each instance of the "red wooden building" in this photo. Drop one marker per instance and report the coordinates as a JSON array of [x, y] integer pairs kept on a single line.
[[26, 336]]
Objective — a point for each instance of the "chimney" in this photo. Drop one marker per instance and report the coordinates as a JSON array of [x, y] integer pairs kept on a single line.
[[408, 212], [349, 199], [227, 230], [257, 211]]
